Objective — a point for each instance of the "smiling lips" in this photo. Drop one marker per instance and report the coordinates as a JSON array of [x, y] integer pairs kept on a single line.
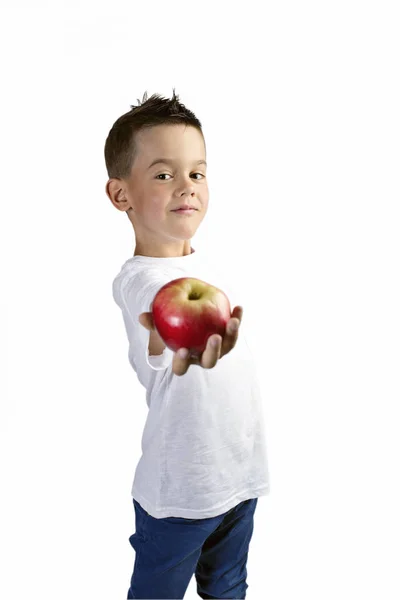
[[185, 207], [185, 211]]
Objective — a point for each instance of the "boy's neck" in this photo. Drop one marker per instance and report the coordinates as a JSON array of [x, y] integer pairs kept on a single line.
[[163, 252]]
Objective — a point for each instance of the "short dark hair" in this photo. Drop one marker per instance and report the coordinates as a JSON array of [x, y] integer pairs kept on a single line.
[[120, 148]]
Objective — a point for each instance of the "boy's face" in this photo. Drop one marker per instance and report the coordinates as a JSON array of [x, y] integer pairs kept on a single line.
[[153, 191]]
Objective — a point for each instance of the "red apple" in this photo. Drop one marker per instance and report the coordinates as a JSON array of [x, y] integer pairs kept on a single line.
[[186, 311]]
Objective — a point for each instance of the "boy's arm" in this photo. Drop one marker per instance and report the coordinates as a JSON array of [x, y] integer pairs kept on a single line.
[[156, 344], [134, 294]]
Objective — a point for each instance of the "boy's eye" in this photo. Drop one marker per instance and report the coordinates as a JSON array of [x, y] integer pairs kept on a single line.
[[169, 175]]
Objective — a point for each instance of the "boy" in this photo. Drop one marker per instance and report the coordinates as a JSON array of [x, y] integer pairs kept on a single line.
[[204, 461]]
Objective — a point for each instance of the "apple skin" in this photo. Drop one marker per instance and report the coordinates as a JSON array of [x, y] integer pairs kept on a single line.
[[186, 311]]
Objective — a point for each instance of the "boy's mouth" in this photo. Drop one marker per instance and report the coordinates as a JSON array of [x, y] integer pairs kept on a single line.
[[184, 211], [185, 207]]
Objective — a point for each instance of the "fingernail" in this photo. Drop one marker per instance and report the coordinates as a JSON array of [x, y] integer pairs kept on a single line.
[[183, 352], [214, 342], [234, 327]]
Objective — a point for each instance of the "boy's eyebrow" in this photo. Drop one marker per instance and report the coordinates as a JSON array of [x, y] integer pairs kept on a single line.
[[171, 161]]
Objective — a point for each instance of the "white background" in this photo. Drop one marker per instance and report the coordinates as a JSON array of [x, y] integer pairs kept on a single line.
[[299, 103]]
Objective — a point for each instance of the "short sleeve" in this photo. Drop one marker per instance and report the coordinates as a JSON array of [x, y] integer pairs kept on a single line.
[[137, 292]]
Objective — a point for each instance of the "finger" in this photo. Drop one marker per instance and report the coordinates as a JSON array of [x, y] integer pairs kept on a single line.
[[179, 364], [231, 335], [232, 327], [237, 312], [211, 353]]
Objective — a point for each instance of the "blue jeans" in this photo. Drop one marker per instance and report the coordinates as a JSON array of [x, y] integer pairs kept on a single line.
[[168, 552]]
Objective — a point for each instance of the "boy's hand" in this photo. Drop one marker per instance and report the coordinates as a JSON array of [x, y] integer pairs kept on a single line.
[[208, 359]]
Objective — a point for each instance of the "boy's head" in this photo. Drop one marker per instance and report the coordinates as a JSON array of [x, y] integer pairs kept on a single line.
[[158, 128]]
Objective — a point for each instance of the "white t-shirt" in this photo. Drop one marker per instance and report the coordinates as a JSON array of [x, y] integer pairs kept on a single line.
[[203, 444]]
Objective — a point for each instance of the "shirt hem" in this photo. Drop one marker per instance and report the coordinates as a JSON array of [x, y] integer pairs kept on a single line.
[[187, 513]]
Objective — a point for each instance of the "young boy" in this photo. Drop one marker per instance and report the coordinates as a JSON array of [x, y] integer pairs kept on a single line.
[[204, 460]]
